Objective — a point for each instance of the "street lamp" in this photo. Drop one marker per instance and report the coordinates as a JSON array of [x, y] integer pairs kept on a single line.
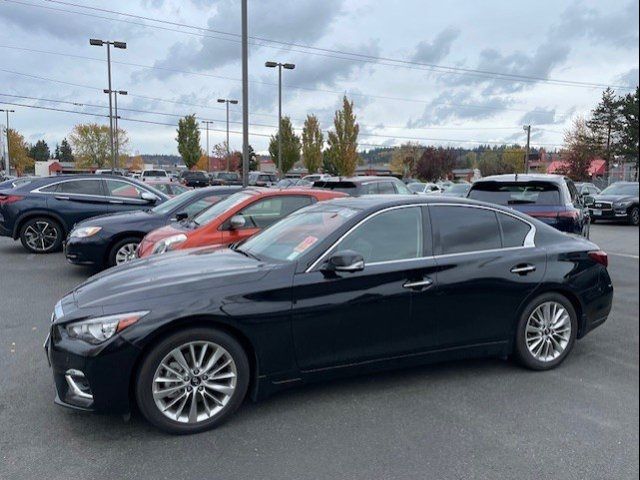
[[122, 45], [280, 66], [8, 159], [233, 102], [115, 98]]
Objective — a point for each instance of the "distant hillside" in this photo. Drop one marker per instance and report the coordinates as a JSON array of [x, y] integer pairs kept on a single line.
[[377, 156], [162, 159]]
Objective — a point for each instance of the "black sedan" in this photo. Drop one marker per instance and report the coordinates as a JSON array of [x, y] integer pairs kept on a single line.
[[111, 240], [43, 211], [618, 201], [331, 290]]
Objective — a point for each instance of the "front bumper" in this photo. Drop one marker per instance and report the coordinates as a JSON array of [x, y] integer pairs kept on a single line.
[[85, 251], [88, 377], [609, 214]]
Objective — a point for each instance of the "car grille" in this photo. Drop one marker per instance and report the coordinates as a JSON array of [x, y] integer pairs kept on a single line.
[[603, 205]]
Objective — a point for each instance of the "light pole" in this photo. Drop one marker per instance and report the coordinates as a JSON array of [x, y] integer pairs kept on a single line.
[[233, 102], [245, 94], [286, 66], [527, 128], [115, 102], [207, 123], [8, 160], [122, 45]]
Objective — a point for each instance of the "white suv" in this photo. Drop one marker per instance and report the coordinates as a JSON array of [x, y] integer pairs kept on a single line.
[[155, 174]]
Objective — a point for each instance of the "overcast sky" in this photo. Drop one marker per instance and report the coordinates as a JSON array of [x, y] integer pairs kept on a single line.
[[593, 42]]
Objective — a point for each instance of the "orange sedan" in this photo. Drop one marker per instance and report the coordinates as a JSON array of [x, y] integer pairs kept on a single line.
[[232, 220]]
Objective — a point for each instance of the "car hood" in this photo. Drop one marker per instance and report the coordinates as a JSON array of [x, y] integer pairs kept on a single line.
[[613, 198], [171, 273], [164, 232], [119, 218]]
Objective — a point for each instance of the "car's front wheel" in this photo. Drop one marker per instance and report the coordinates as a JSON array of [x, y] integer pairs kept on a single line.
[[123, 251], [634, 216], [41, 235], [546, 332], [192, 381]]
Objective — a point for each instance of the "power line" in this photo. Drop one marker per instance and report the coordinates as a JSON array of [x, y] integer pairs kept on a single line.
[[353, 56], [332, 92]]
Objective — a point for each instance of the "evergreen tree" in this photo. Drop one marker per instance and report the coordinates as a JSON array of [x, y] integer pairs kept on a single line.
[[189, 140], [606, 125], [312, 141], [343, 141], [66, 153], [630, 127], [40, 151], [290, 147]]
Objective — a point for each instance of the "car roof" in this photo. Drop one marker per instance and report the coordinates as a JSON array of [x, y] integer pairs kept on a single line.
[[265, 191], [524, 177], [363, 179]]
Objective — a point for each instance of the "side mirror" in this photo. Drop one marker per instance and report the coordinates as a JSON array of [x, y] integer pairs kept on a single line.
[[181, 216], [344, 261], [237, 222], [148, 197]]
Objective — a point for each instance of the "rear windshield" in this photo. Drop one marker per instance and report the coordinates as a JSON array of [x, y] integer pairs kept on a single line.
[[228, 176], [155, 173], [516, 193], [194, 174], [344, 187]]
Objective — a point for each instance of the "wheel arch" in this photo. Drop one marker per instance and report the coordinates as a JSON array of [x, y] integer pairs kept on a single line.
[[204, 321], [120, 236]]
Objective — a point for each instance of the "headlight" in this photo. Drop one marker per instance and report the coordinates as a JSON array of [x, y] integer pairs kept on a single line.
[[98, 330], [85, 232], [168, 243], [623, 204]]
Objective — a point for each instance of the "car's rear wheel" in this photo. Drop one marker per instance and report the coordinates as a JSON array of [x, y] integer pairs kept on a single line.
[[634, 216], [192, 381], [546, 332], [123, 251], [41, 235]]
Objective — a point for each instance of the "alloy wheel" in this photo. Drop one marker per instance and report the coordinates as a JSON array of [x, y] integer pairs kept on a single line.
[[548, 331], [194, 382], [41, 236], [126, 253], [635, 216]]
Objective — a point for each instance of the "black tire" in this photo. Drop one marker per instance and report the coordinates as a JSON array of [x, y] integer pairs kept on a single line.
[[522, 353], [634, 216], [37, 224], [111, 258], [144, 381]]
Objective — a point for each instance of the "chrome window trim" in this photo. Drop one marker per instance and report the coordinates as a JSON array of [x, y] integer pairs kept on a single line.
[[529, 241]]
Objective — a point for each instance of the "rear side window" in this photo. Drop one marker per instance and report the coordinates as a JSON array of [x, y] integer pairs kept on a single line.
[[517, 193], [386, 188], [81, 187], [466, 229], [514, 231]]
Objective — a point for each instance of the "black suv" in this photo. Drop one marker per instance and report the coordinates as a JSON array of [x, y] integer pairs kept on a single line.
[[619, 201], [42, 212], [194, 179], [356, 186]]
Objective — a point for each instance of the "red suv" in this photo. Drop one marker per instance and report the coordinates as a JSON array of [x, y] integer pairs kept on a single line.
[[236, 218]]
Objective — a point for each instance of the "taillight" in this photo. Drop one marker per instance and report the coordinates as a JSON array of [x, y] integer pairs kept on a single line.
[[574, 214], [6, 199], [600, 257]]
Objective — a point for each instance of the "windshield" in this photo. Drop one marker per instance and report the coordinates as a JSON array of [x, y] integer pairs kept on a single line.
[[228, 176], [219, 208], [294, 235], [503, 193], [169, 205], [416, 187], [459, 188], [621, 189]]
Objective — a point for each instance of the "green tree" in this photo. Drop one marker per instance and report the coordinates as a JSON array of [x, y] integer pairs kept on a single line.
[[66, 153], [189, 140], [40, 151], [404, 159], [312, 141], [92, 144], [606, 125], [253, 160], [290, 147], [630, 127], [512, 160], [490, 163], [343, 141]]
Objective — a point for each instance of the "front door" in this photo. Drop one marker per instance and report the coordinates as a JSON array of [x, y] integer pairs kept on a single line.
[[345, 318], [77, 200]]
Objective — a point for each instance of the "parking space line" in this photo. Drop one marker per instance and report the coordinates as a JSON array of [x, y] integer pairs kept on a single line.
[[625, 255]]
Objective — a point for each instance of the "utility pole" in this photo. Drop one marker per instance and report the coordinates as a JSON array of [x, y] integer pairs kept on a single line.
[[245, 96], [527, 128], [234, 102], [8, 159], [122, 45], [207, 122], [280, 66]]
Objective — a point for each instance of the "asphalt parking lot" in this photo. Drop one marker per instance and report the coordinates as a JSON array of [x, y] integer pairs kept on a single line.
[[474, 419]]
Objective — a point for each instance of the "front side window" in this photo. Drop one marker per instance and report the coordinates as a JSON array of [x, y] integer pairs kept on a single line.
[[466, 229], [116, 188], [392, 235], [80, 187], [198, 206], [267, 211], [221, 207]]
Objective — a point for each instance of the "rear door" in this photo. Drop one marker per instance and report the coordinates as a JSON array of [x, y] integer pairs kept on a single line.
[[78, 199], [488, 265]]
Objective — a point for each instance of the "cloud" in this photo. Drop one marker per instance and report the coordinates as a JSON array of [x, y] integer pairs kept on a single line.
[[439, 48], [305, 21], [541, 116], [629, 78]]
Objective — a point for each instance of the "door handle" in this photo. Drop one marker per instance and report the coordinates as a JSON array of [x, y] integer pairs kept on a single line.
[[61, 197], [523, 269], [424, 283], [116, 202]]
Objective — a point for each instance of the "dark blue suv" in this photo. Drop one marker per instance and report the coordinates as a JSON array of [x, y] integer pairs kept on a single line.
[[42, 212]]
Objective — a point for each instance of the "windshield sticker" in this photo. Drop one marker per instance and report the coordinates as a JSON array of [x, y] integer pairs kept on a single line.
[[305, 244]]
